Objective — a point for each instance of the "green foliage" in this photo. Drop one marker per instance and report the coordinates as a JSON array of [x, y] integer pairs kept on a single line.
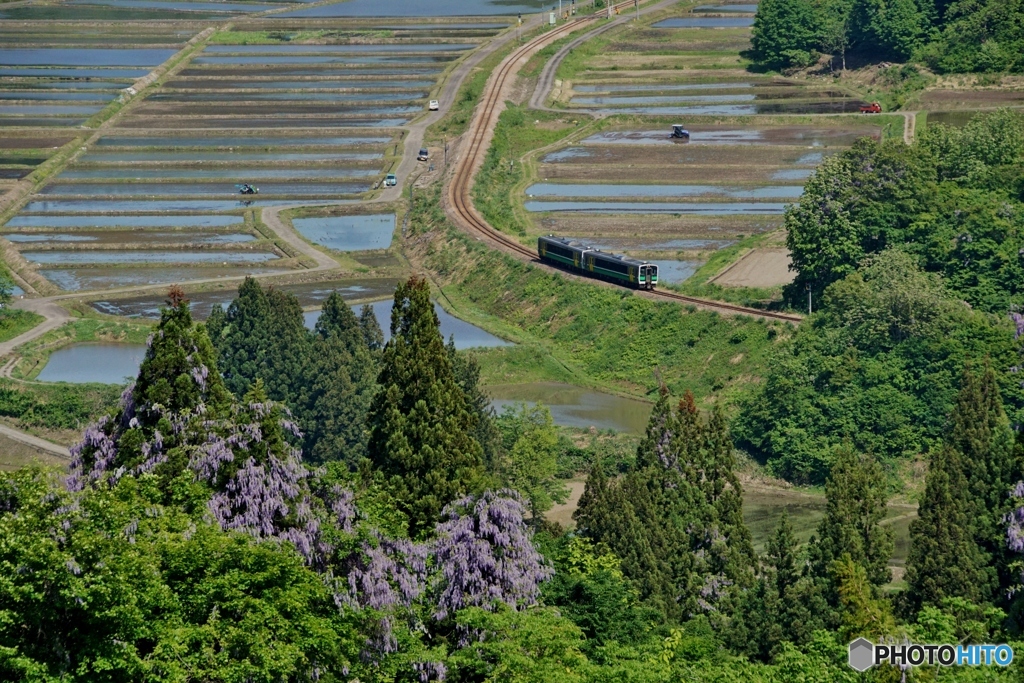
[[327, 378], [851, 528], [978, 35], [529, 453], [784, 33], [886, 28], [878, 366], [675, 521], [14, 321], [129, 589], [420, 424], [863, 614]]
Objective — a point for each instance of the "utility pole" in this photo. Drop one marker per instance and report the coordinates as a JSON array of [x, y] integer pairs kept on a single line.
[[809, 298], [636, 4], [446, 151], [559, 9]]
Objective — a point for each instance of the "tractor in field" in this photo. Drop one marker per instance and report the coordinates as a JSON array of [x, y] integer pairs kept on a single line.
[[873, 108], [679, 133], [246, 188]]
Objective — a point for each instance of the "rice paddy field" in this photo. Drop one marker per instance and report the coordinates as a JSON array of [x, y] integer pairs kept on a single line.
[[754, 140], [155, 195]]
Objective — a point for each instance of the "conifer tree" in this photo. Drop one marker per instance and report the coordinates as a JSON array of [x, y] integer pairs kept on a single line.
[[855, 508], [944, 560], [420, 425], [373, 337], [467, 373]]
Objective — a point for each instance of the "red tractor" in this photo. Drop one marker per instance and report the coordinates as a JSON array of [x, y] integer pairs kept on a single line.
[[873, 108]]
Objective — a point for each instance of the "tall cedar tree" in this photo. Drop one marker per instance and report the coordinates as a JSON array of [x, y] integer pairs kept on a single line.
[[960, 531], [855, 507], [944, 561], [339, 383], [420, 424], [262, 336], [783, 605], [676, 519], [467, 373]]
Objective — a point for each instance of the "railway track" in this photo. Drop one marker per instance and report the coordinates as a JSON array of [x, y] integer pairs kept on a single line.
[[458, 196]]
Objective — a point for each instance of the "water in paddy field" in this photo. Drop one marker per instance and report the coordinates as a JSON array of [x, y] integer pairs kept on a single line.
[[247, 174], [80, 57], [57, 257], [467, 336], [144, 205], [269, 49], [123, 221], [30, 122], [99, 363], [743, 9], [204, 189], [282, 122], [310, 294], [60, 96], [789, 136], [188, 157], [705, 22], [823, 106], [348, 233], [575, 407], [66, 110], [325, 72], [82, 279], [76, 84], [658, 99], [615, 191], [792, 174], [261, 60], [230, 96], [324, 84], [688, 208], [121, 237], [219, 7], [611, 244], [240, 141], [48, 72], [675, 271], [421, 8], [614, 88]]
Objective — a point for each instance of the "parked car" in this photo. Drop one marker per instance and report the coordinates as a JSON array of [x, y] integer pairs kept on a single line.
[[390, 180], [423, 155], [434, 105]]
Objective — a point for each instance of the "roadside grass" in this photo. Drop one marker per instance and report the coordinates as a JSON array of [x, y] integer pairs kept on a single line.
[[15, 455], [14, 321]]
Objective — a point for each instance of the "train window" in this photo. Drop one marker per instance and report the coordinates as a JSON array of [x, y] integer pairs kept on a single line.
[[613, 266], [558, 251]]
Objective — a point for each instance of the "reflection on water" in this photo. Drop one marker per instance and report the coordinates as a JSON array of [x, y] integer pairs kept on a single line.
[[690, 208], [575, 407], [705, 22], [348, 233], [675, 271], [123, 221], [103, 363], [466, 336], [650, 190]]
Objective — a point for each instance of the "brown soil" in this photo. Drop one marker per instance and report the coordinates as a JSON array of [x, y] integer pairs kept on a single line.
[[562, 513], [971, 99], [759, 268]]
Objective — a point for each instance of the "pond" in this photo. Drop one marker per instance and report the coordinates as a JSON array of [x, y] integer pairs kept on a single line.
[[348, 233], [467, 336], [86, 363], [573, 406]]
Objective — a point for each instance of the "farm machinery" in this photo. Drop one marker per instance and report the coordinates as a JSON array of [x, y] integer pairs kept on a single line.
[[246, 188], [679, 133]]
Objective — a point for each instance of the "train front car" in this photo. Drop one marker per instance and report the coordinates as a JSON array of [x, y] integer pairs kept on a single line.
[[578, 257]]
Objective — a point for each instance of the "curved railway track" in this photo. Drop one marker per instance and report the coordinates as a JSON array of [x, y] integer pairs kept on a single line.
[[459, 201]]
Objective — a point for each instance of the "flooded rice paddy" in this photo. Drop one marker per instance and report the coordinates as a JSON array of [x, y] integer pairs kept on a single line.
[[348, 233], [292, 118], [706, 22], [573, 406]]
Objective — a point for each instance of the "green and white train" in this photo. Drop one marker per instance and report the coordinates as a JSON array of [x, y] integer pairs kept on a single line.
[[580, 258]]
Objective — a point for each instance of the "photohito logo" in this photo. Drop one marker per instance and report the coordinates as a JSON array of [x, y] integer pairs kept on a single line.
[[864, 654]]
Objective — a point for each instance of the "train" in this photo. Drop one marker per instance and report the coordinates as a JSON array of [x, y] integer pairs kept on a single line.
[[580, 258]]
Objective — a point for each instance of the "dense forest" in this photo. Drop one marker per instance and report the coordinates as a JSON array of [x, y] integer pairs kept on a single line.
[[949, 36]]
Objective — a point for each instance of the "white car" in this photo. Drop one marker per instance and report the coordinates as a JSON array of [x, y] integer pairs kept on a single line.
[[434, 105]]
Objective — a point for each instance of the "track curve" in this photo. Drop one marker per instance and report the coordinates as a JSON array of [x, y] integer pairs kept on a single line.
[[459, 203]]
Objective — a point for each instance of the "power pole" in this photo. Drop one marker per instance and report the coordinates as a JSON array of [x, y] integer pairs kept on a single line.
[[636, 4], [809, 311]]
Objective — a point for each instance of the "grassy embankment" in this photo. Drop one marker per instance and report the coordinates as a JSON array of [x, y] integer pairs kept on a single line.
[[14, 322]]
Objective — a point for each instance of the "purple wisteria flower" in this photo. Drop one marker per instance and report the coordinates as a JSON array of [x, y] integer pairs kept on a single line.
[[486, 555]]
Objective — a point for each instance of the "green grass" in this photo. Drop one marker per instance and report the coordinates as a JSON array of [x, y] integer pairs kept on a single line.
[[596, 336], [14, 322]]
